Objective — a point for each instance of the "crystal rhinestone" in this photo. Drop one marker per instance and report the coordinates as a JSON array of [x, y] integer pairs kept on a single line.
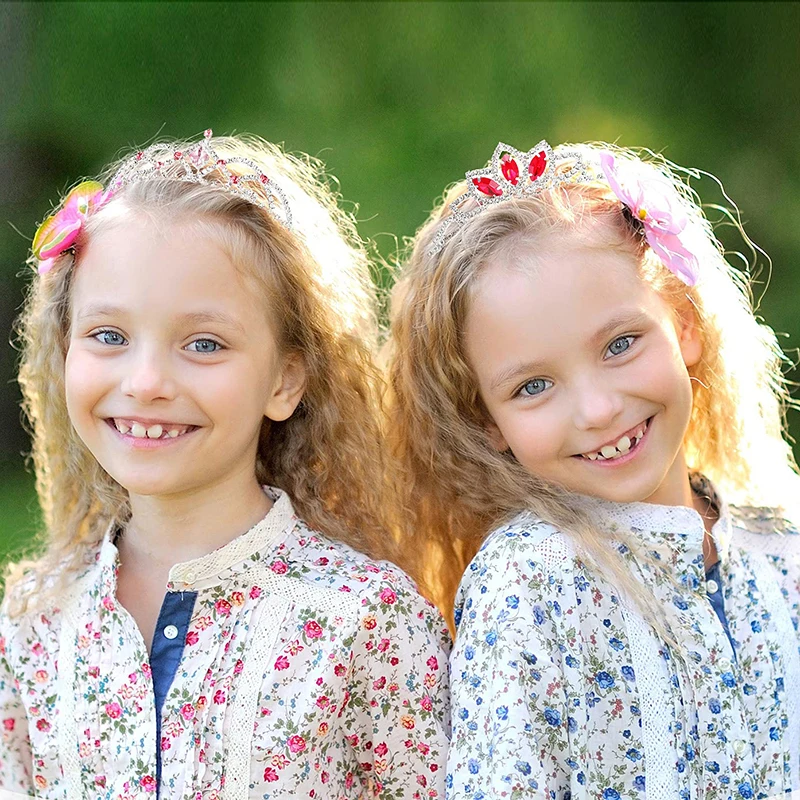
[[538, 165], [487, 186], [510, 169]]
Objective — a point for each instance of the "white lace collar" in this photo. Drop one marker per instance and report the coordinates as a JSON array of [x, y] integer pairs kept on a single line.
[[654, 522], [188, 575]]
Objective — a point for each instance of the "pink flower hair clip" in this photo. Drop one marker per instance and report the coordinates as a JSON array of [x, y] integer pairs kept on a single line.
[[652, 199], [193, 164], [58, 233]]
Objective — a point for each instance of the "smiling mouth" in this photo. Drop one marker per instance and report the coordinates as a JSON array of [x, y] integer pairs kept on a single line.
[[156, 431], [623, 446]]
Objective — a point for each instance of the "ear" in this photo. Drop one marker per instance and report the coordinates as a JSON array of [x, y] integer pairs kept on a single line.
[[288, 388], [689, 339], [496, 438]]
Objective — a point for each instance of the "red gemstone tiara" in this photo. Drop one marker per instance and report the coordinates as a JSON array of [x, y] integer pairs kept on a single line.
[[511, 173], [243, 177]]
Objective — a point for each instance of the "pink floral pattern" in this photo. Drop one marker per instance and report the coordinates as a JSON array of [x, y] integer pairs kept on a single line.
[[352, 700]]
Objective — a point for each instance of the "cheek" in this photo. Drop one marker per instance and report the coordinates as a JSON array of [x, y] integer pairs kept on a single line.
[[534, 435], [82, 382]]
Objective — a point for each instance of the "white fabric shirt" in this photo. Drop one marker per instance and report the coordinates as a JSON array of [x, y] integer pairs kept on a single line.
[[559, 690], [301, 670]]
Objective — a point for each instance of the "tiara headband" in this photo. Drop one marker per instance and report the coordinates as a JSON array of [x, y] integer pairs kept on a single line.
[[242, 177], [647, 193]]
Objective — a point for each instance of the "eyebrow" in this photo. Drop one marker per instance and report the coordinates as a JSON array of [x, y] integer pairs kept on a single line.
[[627, 319], [192, 318]]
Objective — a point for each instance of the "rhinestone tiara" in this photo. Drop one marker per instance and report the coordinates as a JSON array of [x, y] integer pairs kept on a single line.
[[193, 163], [510, 174]]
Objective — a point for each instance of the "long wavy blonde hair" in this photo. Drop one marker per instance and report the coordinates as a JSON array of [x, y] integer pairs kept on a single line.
[[317, 286], [456, 486]]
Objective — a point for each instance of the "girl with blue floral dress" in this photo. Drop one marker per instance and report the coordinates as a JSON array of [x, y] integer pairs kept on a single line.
[[583, 395], [202, 621]]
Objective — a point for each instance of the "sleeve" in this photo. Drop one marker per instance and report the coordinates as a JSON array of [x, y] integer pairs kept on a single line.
[[15, 747], [398, 705], [509, 713]]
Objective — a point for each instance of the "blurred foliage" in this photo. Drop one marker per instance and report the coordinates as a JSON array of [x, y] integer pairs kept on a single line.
[[399, 99]]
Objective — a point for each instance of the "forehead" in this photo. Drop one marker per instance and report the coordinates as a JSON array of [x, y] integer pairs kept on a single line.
[[553, 298], [134, 261]]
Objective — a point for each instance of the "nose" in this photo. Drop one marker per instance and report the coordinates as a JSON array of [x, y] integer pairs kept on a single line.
[[597, 405], [148, 376]]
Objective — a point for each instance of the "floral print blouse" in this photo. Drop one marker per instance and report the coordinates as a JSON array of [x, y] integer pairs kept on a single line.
[[562, 690], [302, 670]]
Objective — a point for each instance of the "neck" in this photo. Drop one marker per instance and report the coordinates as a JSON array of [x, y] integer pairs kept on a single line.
[[164, 531], [675, 490]]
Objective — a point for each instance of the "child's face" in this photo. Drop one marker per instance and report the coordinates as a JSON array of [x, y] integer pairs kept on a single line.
[[172, 363], [576, 357]]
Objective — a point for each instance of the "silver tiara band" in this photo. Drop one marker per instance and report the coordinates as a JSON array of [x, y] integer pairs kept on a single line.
[[242, 176], [510, 174]]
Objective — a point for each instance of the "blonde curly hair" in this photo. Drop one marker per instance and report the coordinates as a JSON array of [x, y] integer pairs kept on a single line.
[[318, 287], [456, 487]]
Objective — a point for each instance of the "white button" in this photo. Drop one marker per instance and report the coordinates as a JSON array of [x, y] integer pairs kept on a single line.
[[739, 747], [724, 664], [712, 587], [170, 631], [189, 577]]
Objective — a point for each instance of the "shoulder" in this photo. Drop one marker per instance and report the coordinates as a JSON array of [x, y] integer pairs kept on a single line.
[[31, 609], [524, 559], [370, 587], [523, 541], [764, 530]]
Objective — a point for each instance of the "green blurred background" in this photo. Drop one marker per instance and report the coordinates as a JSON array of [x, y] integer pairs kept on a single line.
[[399, 99]]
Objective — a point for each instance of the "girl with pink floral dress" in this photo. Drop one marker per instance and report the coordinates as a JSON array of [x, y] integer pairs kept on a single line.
[[583, 395], [201, 621]]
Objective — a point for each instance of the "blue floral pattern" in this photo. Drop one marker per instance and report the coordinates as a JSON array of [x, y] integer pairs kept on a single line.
[[552, 696]]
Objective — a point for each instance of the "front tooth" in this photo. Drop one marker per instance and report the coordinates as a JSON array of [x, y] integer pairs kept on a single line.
[[138, 430], [592, 456], [121, 426], [154, 431], [624, 444], [174, 433], [608, 451]]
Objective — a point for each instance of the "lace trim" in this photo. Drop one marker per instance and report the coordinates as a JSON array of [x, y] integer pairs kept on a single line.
[[260, 537], [762, 546], [283, 593], [67, 744], [243, 717], [657, 709]]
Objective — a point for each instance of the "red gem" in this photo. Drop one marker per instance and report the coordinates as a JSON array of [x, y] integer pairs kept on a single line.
[[139, 155], [263, 179], [487, 186], [177, 154], [538, 165], [510, 169], [207, 133], [220, 161], [235, 179]]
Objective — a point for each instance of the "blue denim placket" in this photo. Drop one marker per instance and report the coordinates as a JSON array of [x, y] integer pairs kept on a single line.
[[717, 601], [169, 640]]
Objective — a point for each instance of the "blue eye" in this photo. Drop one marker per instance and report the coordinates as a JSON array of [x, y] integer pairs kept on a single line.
[[535, 387], [109, 337], [619, 346], [205, 346]]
